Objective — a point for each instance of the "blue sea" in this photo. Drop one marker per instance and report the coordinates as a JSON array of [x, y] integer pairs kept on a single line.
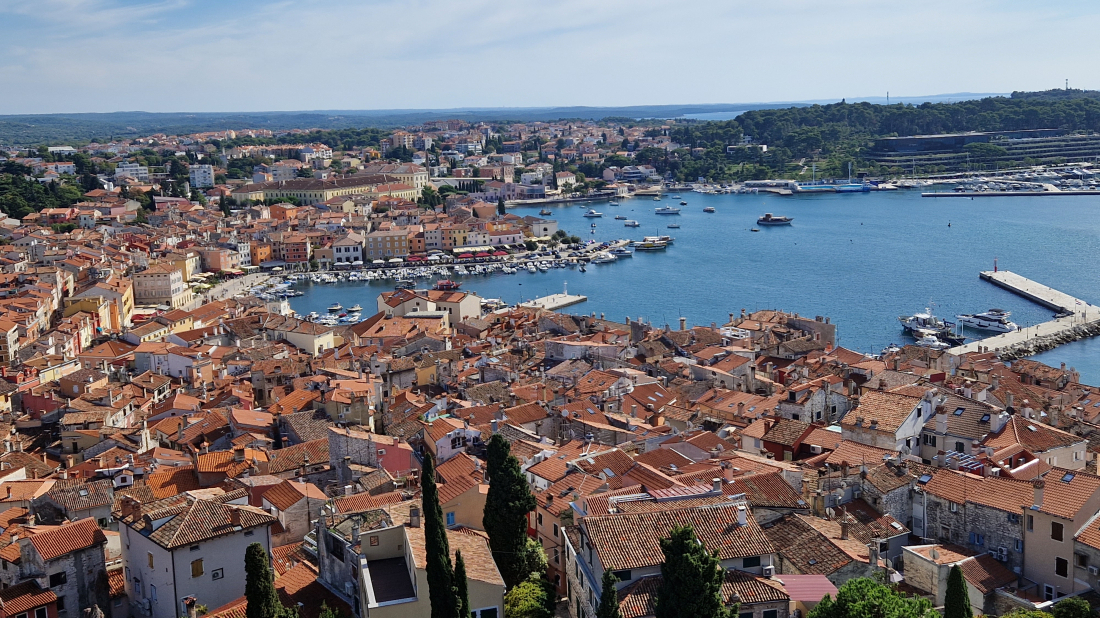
[[860, 259]]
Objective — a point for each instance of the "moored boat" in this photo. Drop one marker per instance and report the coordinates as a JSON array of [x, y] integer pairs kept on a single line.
[[770, 219], [995, 320], [335, 308]]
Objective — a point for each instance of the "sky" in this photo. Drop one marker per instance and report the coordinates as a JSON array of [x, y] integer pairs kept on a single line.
[[245, 55]]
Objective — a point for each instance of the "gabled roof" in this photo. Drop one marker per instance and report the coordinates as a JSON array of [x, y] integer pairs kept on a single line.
[[185, 520], [68, 538], [632, 540], [888, 410]]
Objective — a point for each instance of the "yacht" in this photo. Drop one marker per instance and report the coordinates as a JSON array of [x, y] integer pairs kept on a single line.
[[545, 212], [674, 226], [651, 246], [604, 258], [631, 223], [683, 203], [592, 213], [666, 210], [621, 252], [665, 239], [446, 285], [620, 217], [995, 320], [355, 308], [709, 209], [770, 219], [335, 308], [656, 198], [933, 342]]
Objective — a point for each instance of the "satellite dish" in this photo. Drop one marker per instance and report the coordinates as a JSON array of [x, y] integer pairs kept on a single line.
[[905, 451], [830, 512]]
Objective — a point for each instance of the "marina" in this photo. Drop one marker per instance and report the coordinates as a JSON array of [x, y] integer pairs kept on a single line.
[[900, 246], [555, 302]]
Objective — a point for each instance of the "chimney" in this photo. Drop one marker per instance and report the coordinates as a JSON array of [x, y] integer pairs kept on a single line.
[[355, 534], [742, 516], [683, 323], [238, 453], [1038, 484], [634, 410], [717, 482], [348, 489], [844, 529], [235, 516], [941, 421], [414, 517], [1008, 403]]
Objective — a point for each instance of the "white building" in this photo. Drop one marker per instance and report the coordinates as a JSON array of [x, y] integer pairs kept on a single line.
[[202, 176], [187, 546], [132, 170]]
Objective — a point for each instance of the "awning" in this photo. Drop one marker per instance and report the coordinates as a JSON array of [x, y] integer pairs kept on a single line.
[[433, 258], [482, 254], [357, 263], [465, 255], [395, 260], [277, 269], [498, 253], [379, 262], [414, 258]]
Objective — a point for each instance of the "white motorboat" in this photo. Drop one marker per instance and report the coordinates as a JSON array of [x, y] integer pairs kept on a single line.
[[666, 210], [604, 258], [932, 342], [355, 308], [592, 213], [995, 320], [631, 223], [925, 321], [335, 308], [770, 219]]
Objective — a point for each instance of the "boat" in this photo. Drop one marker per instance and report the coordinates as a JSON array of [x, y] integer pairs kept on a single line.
[[674, 226], [924, 321], [683, 203], [404, 284], [620, 217], [995, 320], [666, 210], [770, 219], [656, 198], [612, 203], [709, 209], [593, 225], [335, 308], [355, 308], [592, 213], [651, 246], [604, 258], [447, 285], [854, 187], [631, 223], [932, 342], [621, 252], [665, 239], [545, 211], [754, 229]]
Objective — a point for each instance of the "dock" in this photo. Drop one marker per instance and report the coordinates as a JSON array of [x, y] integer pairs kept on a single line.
[[554, 302], [973, 194], [1079, 320]]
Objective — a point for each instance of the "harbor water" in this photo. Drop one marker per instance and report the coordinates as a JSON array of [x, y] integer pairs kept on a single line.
[[861, 259]]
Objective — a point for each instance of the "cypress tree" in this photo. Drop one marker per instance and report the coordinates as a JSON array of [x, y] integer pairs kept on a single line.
[[956, 603], [259, 584], [437, 550], [609, 598], [461, 590], [506, 507], [691, 585], [501, 210]]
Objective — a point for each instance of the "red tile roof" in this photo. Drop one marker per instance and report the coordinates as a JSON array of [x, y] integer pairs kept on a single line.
[[68, 538]]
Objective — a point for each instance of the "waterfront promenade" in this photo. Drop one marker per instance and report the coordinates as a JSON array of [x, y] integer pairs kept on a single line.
[[1083, 319]]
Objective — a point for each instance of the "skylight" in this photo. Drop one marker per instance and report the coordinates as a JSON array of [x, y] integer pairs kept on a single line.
[[959, 411], [985, 418], [924, 478], [1067, 477]]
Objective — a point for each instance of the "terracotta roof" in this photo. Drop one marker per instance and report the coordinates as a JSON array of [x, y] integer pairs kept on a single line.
[[475, 549], [663, 458], [889, 410], [287, 494], [168, 482], [1032, 434], [79, 495], [855, 454], [358, 503], [786, 432], [291, 457], [632, 540], [768, 491], [184, 520], [986, 574], [1001, 493], [636, 600], [808, 550], [65, 539], [1065, 492], [24, 597]]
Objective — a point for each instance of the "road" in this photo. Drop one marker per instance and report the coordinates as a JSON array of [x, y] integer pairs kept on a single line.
[[228, 289]]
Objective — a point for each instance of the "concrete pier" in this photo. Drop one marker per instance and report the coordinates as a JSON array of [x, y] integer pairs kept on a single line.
[[555, 301], [1083, 320]]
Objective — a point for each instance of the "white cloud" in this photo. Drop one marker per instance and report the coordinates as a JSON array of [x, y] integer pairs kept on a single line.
[[105, 55]]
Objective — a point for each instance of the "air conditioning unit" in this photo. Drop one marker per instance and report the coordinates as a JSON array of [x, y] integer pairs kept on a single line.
[[815, 449], [349, 590], [1002, 554], [857, 492], [769, 571], [1093, 570]]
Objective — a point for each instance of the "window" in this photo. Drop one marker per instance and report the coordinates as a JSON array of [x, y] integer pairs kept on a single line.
[[538, 518], [58, 579], [1055, 531], [1013, 518], [977, 539], [623, 576], [196, 568], [555, 531], [153, 593], [959, 447], [1019, 546], [217, 574], [1081, 560], [451, 518], [249, 532], [61, 602], [1030, 523], [954, 507], [194, 548], [150, 557], [1061, 567], [40, 613], [745, 615], [489, 612], [557, 556], [770, 613], [750, 562]]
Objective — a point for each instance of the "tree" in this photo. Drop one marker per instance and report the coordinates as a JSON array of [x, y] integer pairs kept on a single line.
[[259, 586], [462, 592], [506, 507], [691, 579], [531, 245], [609, 598], [437, 549], [1072, 607], [956, 603], [328, 612], [527, 600], [863, 596], [500, 207]]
